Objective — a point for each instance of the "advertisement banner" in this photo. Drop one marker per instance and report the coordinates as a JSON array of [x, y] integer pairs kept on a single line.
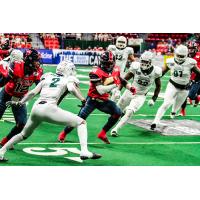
[[78, 57], [46, 55]]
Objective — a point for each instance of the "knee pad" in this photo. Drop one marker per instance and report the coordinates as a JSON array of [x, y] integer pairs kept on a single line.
[[129, 113]]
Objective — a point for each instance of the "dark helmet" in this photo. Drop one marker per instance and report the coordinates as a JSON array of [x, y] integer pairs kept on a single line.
[[107, 61], [192, 48], [32, 59]]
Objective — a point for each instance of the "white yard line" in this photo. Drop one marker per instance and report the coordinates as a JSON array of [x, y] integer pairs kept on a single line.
[[120, 143]]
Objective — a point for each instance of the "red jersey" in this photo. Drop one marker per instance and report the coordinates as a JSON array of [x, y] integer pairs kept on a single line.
[[18, 86], [3, 54], [197, 58], [102, 75]]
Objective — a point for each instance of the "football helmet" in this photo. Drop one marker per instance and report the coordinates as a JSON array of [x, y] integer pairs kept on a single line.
[[121, 42], [16, 55], [32, 59], [146, 60], [181, 53], [192, 48], [107, 61], [66, 68]]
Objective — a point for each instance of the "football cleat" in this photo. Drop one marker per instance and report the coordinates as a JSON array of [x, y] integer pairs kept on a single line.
[[172, 115], [153, 126], [94, 156], [114, 133], [182, 113], [62, 136], [104, 138]]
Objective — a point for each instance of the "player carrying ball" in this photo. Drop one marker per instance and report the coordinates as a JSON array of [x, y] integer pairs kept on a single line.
[[103, 79]]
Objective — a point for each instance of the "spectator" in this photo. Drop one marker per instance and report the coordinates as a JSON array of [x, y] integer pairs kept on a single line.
[[78, 36]]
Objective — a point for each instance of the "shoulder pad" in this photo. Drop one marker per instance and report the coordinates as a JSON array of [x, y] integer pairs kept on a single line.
[[111, 47], [73, 79], [129, 50], [158, 71], [134, 67], [44, 76], [192, 61]]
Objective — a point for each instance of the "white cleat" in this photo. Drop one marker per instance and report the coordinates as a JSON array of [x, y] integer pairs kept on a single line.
[[114, 133]]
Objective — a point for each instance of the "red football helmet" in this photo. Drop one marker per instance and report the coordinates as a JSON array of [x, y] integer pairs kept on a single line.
[[107, 61]]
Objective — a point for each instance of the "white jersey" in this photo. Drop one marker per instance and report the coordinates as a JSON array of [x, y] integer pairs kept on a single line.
[[121, 56], [180, 73], [54, 86], [143, 82]]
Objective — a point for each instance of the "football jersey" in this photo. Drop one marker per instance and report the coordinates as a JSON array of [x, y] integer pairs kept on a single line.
[[54, 86], [19, 84], [193, 75], [121, 56], [180, 73], [101, 76], [143, 82]]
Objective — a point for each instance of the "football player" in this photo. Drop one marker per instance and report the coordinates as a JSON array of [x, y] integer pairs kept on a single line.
[[176, 92], [16, 81], [15, 55], [195, 79], [52, 89], [123, 55], [103, 79], [144, 74]]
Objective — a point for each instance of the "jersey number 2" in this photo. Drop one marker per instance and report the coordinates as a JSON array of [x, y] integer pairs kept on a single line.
[[54, 82]]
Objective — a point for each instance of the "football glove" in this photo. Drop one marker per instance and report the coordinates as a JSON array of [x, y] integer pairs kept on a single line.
[[117, 80], [133, 90], [82, 104], [151, 102], [13, 103]]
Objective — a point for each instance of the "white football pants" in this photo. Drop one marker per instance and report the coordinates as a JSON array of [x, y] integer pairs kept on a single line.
[[173, 96]]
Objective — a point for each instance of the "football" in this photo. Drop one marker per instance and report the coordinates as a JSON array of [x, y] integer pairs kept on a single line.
[[108, 81]]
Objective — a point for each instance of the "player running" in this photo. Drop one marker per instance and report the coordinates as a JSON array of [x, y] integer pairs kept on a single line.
[[144, 74], [103, 79], [123, 55], [52, 89], [16, 81], [195, 79], [176, 92]]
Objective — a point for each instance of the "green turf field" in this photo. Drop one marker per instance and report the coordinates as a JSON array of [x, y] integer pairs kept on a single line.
[[135, 146]]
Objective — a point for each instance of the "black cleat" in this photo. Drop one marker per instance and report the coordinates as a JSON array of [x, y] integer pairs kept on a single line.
[[94, 156], [2, 159], [153, 126], [114, 134]]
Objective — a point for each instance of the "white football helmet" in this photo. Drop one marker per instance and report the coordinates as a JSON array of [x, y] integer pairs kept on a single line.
[[181, 53], [16, 55], [146, 60], [121, 42], [66, 68]]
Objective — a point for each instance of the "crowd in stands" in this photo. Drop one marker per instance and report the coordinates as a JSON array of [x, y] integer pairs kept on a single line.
[[159, 43], [16, 40], [165, 43]]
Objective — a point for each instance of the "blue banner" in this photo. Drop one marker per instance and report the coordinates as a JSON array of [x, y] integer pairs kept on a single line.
[[78, 57], [46, 55]]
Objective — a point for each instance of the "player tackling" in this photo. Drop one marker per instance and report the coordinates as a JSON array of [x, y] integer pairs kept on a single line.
[[52, 89]]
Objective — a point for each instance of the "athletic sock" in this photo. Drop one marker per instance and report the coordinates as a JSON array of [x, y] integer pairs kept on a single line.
[[82, 134]]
